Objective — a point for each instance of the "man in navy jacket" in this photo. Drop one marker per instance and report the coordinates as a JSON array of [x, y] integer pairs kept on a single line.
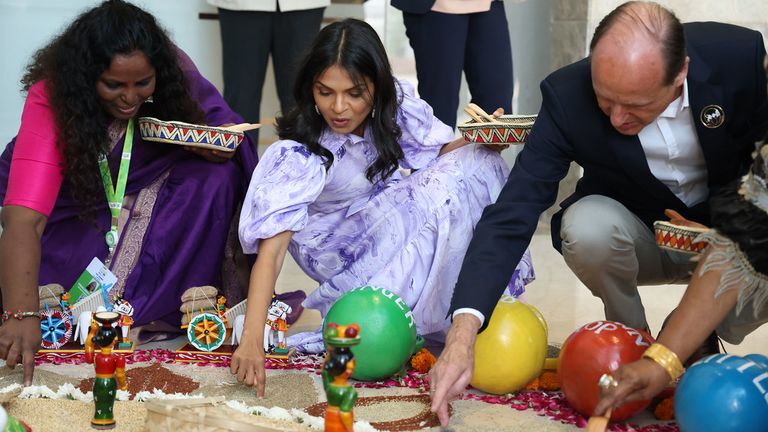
[[658, 116]]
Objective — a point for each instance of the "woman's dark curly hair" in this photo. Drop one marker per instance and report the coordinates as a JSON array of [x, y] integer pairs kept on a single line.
[[71, 65], [354, 46]]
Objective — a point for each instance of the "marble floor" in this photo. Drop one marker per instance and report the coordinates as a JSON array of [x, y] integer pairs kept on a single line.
[[557, 293]]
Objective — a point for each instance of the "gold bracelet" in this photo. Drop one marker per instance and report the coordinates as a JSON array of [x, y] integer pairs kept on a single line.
[[666, 359]]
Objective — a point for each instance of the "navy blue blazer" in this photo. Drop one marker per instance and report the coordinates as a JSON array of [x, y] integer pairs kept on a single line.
[[725, 69]]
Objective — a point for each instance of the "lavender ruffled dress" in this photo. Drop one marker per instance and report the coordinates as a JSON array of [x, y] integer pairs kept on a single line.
[[407, 234]]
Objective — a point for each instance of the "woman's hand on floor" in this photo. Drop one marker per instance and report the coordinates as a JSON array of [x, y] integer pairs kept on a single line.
[[247, 363], [19, 341], [20, 257]]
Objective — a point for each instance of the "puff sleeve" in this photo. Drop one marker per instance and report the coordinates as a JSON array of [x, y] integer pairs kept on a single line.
[[423, 134], [36, 168], [285, 182]]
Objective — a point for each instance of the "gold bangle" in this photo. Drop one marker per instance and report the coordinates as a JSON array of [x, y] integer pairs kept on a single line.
[[666, 359]]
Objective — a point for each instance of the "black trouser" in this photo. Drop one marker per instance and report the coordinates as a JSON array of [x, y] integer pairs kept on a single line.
[[248, 38], [478, 44]]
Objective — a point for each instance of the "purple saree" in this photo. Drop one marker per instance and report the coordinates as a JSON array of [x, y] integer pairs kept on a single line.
[[175, 222]]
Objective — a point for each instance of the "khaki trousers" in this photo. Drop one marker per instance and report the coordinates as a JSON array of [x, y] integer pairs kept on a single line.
[[612, 252]]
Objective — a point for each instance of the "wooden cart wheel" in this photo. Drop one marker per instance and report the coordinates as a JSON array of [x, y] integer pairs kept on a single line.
[[206, 332], [56, 329]]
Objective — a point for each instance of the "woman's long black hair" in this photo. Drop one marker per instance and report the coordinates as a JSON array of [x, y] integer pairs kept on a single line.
[[71, 65], [354, 46]]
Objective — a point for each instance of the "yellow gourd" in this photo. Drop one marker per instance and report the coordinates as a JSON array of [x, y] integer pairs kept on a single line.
[[510, 352]]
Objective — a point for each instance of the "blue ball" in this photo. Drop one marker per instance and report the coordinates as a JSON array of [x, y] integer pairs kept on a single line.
[[724, 393], [759, 359]]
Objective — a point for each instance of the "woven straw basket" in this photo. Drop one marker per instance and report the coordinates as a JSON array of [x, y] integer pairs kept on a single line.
[[506, 129], [678, 238], [173, 132]]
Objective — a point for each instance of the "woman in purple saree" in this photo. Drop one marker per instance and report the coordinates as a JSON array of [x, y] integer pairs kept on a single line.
[[84, 90], [175, 219]]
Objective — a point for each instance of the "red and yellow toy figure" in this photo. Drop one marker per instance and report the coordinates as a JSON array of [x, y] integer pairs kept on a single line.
[[125, 322], [337, 368], [221, 308], [66, 308], [110, 368]]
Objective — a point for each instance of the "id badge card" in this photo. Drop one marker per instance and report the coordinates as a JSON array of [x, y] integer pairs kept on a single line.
[[96, 278]]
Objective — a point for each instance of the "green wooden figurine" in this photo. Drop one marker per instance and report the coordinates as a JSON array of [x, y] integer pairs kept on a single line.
[[110, 368], [337, 368]]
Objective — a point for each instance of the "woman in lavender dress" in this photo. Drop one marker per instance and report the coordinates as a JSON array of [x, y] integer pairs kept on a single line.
[[331, 193]]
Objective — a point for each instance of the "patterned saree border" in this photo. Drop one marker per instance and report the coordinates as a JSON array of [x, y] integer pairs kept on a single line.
[[132, 238]]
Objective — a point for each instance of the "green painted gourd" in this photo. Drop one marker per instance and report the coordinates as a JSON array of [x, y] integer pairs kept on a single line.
[[387, 331]]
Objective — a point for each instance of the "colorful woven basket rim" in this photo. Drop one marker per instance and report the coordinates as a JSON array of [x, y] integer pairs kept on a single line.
[[178, 124], [187, 134], [513, 120], [668, 226]]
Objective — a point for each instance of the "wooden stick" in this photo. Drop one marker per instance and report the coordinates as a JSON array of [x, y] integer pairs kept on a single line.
[[599, 423], [474, 116], [482, 112]]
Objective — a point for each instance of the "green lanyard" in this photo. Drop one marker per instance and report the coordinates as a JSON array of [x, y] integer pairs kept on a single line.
[[115, 195]]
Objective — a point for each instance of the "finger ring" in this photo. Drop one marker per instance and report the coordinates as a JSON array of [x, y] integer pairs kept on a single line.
[[606, 381]]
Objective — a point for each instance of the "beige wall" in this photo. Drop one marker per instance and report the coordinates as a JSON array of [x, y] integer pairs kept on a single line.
[[569, 32], [747, 13]]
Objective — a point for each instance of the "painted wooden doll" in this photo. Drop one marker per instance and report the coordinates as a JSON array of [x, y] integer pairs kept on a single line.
[[337, 368], [110, 368]]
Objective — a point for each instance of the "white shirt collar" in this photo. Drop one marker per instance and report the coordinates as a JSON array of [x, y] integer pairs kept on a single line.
[[677, 105]]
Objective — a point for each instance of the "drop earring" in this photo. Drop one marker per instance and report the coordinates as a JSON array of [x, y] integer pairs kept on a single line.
[[149, 99], [317, 110], [373, 113]]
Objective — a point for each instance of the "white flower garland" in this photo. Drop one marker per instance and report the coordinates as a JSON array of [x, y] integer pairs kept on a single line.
[[10, 388], [293, 415], [68, 391], [145, 395], [65, 391]]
